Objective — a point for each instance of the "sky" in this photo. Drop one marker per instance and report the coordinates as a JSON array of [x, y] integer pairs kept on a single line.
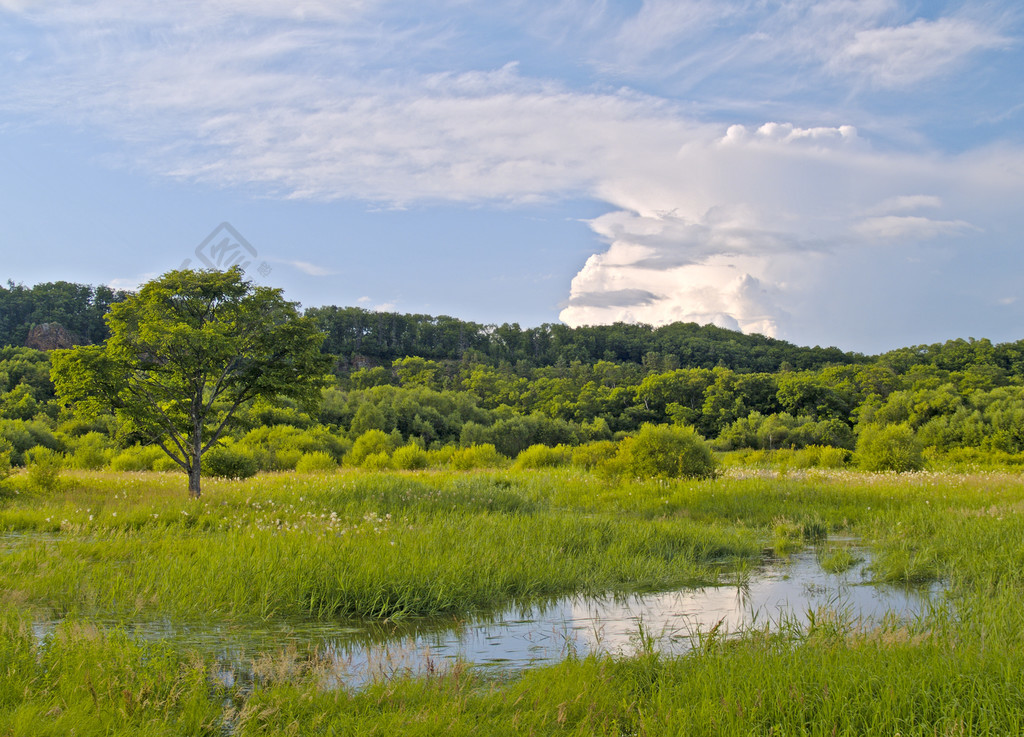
[[829, 172]]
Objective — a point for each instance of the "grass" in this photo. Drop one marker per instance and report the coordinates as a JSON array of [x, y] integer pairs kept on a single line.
[[340, 545], [838, 560], [393, 545]]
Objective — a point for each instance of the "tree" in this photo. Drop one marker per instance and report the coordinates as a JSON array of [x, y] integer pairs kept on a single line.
[[672, 451], [185, 353], [889, 448]]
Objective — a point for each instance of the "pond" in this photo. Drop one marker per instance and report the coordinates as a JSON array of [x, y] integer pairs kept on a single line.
[[504, 642]]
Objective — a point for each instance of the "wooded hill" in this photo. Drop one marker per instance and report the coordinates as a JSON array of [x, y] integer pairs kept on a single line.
[[361, 338], [438, 382]]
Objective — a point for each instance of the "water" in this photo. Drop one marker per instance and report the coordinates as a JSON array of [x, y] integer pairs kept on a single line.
[[508, 641]]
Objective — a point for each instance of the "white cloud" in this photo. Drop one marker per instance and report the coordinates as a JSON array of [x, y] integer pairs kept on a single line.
[[720, 290], [131, 283], [892, 227], [904, 203], [310, 269], [708, 221], [900, 56], [736, 229]]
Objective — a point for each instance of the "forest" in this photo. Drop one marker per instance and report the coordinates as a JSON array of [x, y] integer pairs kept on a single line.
[[437, 386]]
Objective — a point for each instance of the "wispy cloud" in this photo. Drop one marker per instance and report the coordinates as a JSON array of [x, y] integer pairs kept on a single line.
[[307, 268], [890, 227], [710, 217], [900, 56]]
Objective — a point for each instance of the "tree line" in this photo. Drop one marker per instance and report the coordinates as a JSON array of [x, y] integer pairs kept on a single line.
[[357, 337], [961, 398]]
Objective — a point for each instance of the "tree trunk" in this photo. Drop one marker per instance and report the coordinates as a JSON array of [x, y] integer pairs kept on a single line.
[[197, 448], [193, 481]]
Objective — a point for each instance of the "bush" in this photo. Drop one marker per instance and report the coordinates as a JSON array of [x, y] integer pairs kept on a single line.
[[889, 448], [369, 443], [229, 461], [666, 450], [6, 449], [92, 451], [541, 456], [287, 459], [972, 459], [136, 458], [376, 462], [821, 456], [477, 456], [594, 454], [410, 457], [24, 436], [745, 458], [165, 463], [438, 457], [316, 462], [44, 466], [279, 447]]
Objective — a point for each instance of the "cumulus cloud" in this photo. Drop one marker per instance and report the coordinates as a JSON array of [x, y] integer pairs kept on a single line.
[[614, 298], [719, 291], [767, 216]]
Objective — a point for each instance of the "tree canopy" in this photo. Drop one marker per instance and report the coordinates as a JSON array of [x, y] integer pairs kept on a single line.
[[185, 353]]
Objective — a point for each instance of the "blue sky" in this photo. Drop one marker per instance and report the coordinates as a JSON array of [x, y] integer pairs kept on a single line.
[[838, 172]]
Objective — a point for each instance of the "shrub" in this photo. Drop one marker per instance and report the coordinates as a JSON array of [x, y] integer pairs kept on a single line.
[[666, 450], [92, 451], [6, 449], [279, 447], [438, 457], [165, 463], [477, 456], [287, 459], [136, 458], [24, 436], [542, 456], [229, 461], [410, 457], [316, 462], [376, 462], [594, 454], [889, 448], [369, 443], [44, 466], [746, 458], [821, 456]]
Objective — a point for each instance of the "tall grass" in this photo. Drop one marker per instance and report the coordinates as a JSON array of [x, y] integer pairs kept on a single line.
[[322, 545], [339, 545]]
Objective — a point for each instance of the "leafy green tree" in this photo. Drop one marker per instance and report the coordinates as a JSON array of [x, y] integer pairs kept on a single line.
[[371, 442], [185, 353], [889, 448], [44, 466], [666, 450]]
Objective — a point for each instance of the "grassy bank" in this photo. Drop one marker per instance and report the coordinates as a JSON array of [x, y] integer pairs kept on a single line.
[[396, 544]]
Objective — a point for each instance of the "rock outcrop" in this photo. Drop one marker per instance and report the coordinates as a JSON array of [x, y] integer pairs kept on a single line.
[[50, 335]]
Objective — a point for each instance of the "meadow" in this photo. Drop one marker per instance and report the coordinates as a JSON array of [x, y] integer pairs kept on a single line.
[[394, 546]]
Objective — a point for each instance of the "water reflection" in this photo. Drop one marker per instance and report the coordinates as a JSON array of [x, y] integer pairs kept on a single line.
[[520, 637]]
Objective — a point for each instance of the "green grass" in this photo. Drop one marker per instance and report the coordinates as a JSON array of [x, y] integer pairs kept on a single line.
[[838, 560], [389, 545], [341, 545]]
